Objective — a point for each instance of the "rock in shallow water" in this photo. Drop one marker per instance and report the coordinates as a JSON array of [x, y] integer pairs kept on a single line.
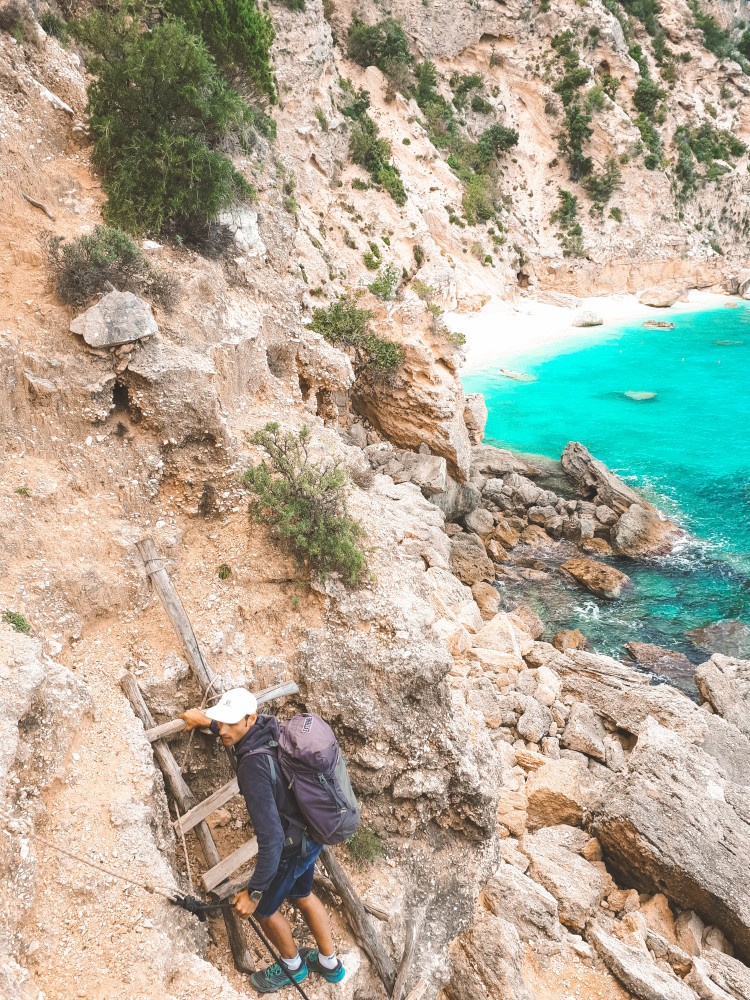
[[640, 397], [599, 578], [730, 637]]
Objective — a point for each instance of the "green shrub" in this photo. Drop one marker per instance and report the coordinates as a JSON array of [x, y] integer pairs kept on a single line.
[[610, 85], [365, 846], [86, 266], [419, 255], [343, 324], [652, 140], [601, 186], [595, 98], [54, 26], [236, 32], [570, 234], [305, 504], [16, 621], [495, 140], [358, 103], [647, 96], [322, 120], [715, 38], [572, 81], [373, 153], [462, 85], [386, 284], [224, 571], [576, 131], [480, 106], [159, 111], [636, 52], [616, 214], [383, 45], [478, 199]]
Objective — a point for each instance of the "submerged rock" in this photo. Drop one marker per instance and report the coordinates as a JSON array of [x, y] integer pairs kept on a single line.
[[729, 343], [517, 376], [658, 659], [730, 637], [639, 396], [658, 324], [599, 578]]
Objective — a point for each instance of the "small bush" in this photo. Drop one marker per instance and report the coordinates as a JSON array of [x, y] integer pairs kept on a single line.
[[158, 111], [54, 26], [570, 234], [237, 33], [17, 19], [495, 140], [305, 504], [616, 214], [576, 131], [365, 846], [16, 621], [386, 284], [647, 97], [373, 153], [86, 266], [322, 120], [345, 325], [419, 255], [601, 186], [383, 45]]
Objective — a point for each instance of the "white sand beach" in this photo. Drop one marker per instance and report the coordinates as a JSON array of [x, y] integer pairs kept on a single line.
[[502, 331]]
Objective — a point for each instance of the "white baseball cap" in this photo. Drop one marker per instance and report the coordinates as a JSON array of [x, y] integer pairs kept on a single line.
[[234, 705]]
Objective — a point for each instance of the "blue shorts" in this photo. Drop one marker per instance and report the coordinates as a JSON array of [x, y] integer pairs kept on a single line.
[[293, 880]]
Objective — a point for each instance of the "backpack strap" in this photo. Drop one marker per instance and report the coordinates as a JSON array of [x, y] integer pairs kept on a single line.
[[267, 752]]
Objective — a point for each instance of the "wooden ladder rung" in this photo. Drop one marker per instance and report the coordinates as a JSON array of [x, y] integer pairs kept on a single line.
[[221, 872], [206, 807]]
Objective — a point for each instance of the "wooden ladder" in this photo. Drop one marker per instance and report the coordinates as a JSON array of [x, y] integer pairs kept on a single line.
[[192, 815]]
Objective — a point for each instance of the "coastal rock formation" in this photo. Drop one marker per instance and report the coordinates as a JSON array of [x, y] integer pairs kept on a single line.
[[599, 578], [594, 479], [676, 819], [659, 298], [725, 684], [641, 532], [731, 638]]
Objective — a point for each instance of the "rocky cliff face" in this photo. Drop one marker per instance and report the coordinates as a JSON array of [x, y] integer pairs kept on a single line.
[[517, 785]]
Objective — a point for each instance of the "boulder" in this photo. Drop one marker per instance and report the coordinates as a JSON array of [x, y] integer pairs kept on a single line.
[[535, 721], [536, 537], [584, 732], [689, 930], [677, 821], [486, 460], [636, 969], [475, 417], [659, 660], [505, 533], [639, 396], [469, 560], [530, 620], [458, 500], [659, 298], [324, 367], [554, 795], [487, 599], [506, 634], [480, 521], [742, 283], [428, 472], [495, 550], [641, 532], [557, 865], [599, 578], [725, 684], [117, 318], [587, 318], [593, 478], [487, 962], [729, 975], [522, 902], [242, 222], [729, 637], [570, 639]]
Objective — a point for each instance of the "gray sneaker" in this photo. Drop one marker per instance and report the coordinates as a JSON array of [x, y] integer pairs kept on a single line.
[[310, 958]]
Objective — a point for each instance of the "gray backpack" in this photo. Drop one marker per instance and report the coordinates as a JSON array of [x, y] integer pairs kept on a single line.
[[314, 767]]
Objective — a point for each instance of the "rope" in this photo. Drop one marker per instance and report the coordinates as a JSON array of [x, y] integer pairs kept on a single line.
[[148, 886]]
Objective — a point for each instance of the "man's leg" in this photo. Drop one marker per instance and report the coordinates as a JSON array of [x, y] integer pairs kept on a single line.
[[278, 930], [316, 919]]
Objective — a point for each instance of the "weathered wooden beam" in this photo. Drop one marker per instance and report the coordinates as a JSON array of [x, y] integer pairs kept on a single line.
[[204, 809], [169, 729], [186, 800], [360, 922], [375, 911], [419, 990], [413, 928], [231, 863], [177, 616]]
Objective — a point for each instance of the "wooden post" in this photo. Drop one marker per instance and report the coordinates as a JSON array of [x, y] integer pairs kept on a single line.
[[413, 928], [186, 800], [360, 922], [176, 613]]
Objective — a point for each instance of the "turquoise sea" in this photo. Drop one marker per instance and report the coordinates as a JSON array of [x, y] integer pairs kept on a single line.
[[688, 449]]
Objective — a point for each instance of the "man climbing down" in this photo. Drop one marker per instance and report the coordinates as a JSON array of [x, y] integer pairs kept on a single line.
[[286, 854]]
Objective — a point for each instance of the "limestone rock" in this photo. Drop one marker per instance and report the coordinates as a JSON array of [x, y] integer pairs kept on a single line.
[[506, 634], [522, 902], [729, 975], [636, 970], [642, 532], [599, 578], [530, 620], [725, 684], [588, 318], [570, 639], [428, 472], [242, 221], [689, 930], [659, 660], [323, 366], [557, 864], [536, 537], [584, 732], [505, 533], [117, 318], [487, 598], [535, 722], [593, 478], [554, 794], [458, 500], [486, 963], [481, 522], [731, 638], [659, 298], [469, 560], [486, 460], [678, 821], [475, 417]]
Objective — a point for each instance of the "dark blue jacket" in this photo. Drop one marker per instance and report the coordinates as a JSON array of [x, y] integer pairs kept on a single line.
[[273, 809]]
